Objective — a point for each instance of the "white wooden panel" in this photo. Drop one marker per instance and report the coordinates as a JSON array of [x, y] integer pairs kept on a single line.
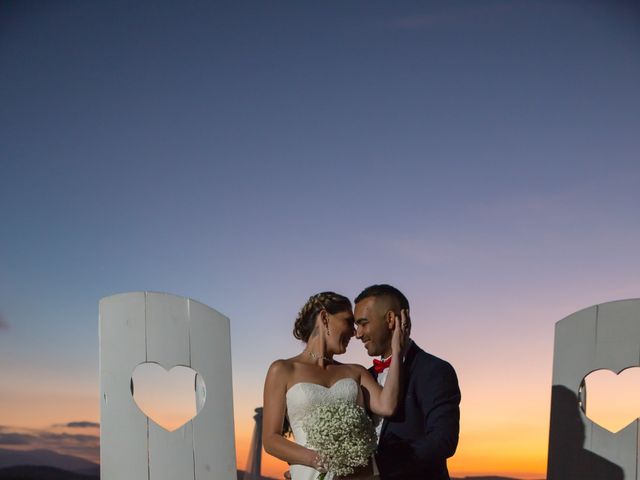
[[618, 337], [167, 330], [619, 448], [617, 348], [575, 348], [211, 357], [123, 429], [201, 392], [170, 453], [606, 336], [170, 331]]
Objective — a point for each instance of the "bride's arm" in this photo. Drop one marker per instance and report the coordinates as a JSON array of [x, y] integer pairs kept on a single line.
[[274, 403], [384, 401]]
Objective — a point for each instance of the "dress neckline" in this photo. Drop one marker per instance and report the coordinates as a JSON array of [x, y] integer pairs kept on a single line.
[[320, 385]]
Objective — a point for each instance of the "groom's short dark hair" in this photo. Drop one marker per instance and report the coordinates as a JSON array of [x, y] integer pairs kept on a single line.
[[384, 290]]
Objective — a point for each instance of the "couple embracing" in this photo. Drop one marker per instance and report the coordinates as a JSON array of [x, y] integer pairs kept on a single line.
[[411, 396]]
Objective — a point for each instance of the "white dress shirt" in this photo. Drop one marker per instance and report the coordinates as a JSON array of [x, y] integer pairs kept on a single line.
[[382, 378], [377, 420]]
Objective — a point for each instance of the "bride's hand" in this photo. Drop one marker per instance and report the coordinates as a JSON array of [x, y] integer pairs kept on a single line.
[[317, 463], [401, 332]]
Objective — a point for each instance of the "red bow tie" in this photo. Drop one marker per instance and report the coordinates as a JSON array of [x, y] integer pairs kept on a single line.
[[381, 365]]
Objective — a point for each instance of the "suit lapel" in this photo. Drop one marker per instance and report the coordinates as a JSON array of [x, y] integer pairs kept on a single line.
[[407, 367]]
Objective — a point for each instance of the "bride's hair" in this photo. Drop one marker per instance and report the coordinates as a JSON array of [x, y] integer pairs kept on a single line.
[[306, 321]]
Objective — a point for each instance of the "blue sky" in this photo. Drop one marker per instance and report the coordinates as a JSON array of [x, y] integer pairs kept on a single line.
[[480, 155]]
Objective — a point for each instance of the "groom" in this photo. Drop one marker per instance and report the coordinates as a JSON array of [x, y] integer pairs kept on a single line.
[[416, 442]]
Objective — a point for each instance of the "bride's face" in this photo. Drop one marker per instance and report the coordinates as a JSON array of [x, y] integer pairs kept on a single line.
[[341, 329]]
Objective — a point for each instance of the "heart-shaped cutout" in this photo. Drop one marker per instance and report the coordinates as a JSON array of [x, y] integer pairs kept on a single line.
[[169, 398], [613, 400]]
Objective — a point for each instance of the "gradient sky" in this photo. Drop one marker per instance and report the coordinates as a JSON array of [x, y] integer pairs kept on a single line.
[[480, 155]]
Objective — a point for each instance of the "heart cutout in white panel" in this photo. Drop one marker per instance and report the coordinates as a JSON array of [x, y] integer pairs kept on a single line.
[[169, 398], [613, 400]]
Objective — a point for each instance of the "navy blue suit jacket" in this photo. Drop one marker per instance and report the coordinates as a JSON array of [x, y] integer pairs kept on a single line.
[[416, 442]]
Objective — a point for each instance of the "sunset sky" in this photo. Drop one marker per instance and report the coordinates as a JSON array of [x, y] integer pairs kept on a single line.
[[480, 155]]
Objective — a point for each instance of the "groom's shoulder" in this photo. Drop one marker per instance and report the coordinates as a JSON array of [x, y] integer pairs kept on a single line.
[[429, 361]]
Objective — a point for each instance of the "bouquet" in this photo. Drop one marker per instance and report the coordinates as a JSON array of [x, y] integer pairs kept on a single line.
[[343, 436]]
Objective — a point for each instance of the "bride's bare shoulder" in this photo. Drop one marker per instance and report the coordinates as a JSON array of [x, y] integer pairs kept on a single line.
[[282, 367], [279, 372]]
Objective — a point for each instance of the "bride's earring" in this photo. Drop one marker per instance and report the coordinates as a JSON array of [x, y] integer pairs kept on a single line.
[[326, 326]]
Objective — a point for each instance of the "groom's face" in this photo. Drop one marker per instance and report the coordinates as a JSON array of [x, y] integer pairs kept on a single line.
[[372, 327]]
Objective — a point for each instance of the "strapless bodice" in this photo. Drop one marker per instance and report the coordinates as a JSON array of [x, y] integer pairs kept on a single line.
[[302, 397]]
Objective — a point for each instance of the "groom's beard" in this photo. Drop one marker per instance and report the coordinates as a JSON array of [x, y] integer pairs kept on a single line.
[[376, 351]]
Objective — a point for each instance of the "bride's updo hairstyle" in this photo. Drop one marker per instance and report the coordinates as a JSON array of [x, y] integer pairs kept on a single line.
[[306, 321]]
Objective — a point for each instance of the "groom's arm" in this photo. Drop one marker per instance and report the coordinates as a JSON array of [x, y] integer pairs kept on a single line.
[[438, 395], [440, 402]]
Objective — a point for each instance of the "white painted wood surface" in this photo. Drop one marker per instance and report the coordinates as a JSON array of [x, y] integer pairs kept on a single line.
[[123, 428], [210, 332], [605, 336], [169, 330]]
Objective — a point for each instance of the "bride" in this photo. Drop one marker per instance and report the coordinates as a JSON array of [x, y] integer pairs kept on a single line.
[[295, 385]]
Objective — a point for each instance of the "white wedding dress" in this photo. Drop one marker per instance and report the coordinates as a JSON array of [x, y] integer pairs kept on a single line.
[[302, 397]]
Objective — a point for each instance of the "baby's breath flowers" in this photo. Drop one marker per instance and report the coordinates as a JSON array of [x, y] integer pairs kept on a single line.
[[343, 436]]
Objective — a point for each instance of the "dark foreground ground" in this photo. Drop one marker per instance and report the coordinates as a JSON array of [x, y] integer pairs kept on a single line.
[[34, 472]]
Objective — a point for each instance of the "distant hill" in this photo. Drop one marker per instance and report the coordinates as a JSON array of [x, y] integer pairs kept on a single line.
[[39, 472], [241, 476], [30, 472], [241, 473], [49, 465], [49, 458], [485, 478]]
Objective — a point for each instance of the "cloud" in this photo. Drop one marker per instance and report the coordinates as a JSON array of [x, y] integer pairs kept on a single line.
[[82, 445], [13, 438], [79, 424], [4, 325], [67, 437]]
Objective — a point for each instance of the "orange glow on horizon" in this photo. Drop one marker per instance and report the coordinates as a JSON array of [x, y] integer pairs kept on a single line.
[[527, 462], [483, 449], [489, 445]]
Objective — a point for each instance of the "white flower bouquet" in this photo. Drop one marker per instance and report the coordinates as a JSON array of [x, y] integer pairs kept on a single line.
[[343, 436]]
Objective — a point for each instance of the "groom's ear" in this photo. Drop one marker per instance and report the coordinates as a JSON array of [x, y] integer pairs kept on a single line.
[[390, 319]]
